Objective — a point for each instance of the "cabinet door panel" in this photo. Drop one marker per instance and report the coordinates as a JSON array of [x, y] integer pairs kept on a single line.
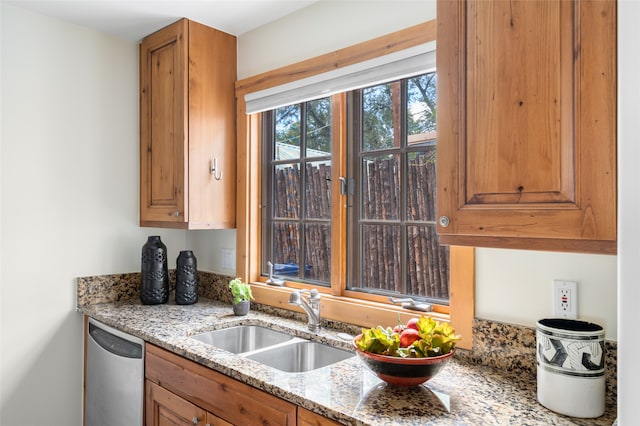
[[517, 152], [309, 418], [212, 128], [166, 409], [163, 131], [216, 421], [526, 124], [229, 399]]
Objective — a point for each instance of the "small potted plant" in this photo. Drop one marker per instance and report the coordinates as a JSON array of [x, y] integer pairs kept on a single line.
[[241, 296]]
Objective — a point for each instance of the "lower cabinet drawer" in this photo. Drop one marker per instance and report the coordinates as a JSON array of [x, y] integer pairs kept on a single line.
[[229, 399]]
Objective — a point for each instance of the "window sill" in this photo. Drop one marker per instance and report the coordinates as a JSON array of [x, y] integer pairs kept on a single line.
[[348, 310]]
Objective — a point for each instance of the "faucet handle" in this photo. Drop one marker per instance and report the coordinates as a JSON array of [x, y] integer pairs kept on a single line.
[[314, 295], [272, 280]]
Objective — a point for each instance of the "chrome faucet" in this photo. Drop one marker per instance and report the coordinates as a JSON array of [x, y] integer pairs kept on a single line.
[[312, 308]]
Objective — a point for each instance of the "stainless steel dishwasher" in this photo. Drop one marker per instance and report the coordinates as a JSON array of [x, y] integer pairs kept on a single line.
[[114, 377]]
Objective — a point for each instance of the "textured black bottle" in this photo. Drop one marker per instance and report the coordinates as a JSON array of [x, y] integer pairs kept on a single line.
[[154, 285], [186, 278]]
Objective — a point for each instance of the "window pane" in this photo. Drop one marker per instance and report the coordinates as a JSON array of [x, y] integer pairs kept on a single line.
[[381, 187], [318, 140], [285, 248], [287, 132], [286, 196], [381, 257], [395, 249], [297, 221], [421, 185], [318, 190], [421, 104], [318, 249], [427, 263], [378, 124]]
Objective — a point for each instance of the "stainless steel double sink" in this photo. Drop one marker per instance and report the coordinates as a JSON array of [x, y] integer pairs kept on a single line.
[[277, 349]]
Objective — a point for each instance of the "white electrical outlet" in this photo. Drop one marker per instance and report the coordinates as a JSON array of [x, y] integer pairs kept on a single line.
[[228, 261], [565, 299]]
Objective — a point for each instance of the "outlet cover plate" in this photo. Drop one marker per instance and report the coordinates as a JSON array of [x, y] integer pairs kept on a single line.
[[565, 299], [228, 259]]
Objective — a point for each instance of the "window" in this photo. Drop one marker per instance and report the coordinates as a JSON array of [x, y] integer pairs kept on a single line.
[[393, 248], [297, 146], [297, 174], [392, 223]]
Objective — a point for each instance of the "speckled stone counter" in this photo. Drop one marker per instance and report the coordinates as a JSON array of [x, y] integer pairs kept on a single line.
[[464, 393]]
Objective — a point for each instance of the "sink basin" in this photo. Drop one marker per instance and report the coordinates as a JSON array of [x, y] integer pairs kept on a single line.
[[274, 348], [300, 356], [243, 338]]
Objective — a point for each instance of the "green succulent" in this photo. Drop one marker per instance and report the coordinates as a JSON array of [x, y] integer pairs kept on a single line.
[[240, 290]]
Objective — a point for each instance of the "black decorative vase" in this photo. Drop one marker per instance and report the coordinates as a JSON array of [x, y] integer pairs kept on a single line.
[[186, 278], [154, 285]]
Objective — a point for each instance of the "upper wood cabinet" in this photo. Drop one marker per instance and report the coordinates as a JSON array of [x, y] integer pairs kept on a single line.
[[187, 127], [527, 124]]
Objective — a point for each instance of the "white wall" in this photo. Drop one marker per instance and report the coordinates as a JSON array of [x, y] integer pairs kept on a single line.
[[69, 175], [208, 246], [323, 27], [1, 256], [628, 212], [512, 286]]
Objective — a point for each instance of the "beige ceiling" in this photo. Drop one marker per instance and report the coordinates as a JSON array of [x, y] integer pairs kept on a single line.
[[134, 19]]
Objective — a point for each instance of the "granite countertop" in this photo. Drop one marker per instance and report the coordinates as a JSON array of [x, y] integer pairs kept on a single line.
[[461, 394]]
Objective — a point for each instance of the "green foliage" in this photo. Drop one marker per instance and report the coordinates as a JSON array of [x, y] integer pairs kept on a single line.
[[287, 125], [377, 117], [240, 290], [379, 340], [377, 106], [317, 124], [436, 338], [421, 104]]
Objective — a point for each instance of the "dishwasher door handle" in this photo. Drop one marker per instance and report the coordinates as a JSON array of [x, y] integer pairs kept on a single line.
[[115, 344]]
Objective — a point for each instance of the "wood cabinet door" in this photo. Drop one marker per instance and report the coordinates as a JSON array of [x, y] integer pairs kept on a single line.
[[224, 397], [163, 125], [309, 418], [213, 420], [212, 128], [526, 124], [164, 408]]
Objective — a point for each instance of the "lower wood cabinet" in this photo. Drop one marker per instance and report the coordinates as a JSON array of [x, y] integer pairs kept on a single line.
[[165, 408], [182, 392], [309, 418]]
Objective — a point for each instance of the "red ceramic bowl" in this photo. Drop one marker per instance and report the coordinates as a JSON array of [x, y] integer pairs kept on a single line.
[[399, 371]]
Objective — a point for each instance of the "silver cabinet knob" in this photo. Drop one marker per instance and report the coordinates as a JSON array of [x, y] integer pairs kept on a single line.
[[444, 221], [194, 420], [175, 214]]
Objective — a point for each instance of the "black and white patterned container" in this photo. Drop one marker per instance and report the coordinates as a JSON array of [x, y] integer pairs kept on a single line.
[[570, 357]]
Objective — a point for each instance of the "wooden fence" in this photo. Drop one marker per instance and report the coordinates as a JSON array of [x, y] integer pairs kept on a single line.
[[427, 265]]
